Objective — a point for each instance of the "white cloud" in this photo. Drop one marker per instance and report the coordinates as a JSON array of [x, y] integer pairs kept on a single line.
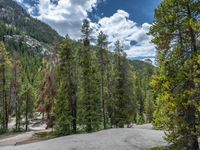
[[66, 16], [133, 36], [20, 1], [29, 8]]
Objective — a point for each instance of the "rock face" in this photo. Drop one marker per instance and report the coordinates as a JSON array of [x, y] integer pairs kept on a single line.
[[18, 29], [33, 45], [137, 138]]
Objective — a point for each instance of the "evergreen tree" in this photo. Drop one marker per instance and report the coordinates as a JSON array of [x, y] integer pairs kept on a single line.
[[30, 66], [139, 95], [5, 65], [175, 33], [149, 106], [62, 112], [123, 103], [91, 105], [103, 62], [67, 75]]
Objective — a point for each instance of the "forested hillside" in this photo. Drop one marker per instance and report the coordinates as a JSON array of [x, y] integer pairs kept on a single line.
[[16, 20], [74, 86], [60, 86]]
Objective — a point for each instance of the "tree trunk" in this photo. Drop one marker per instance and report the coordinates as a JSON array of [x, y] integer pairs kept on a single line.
[[192, 140], [4, 98], [74, 113], [27, 98], [6, 111], [102, 100]]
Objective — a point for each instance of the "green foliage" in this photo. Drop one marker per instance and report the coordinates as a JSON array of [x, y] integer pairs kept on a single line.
[[123, 88], [143, 96], [19, 80], [175, 34], [5, 68], [6, 29], [103, 60], [62, 112], [93, 71], [149, 106], [90, 102], [96, 88], [46, 135], [15, 90], [67, 94]]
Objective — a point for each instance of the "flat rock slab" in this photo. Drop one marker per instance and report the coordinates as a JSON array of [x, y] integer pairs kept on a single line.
[[136, 138]]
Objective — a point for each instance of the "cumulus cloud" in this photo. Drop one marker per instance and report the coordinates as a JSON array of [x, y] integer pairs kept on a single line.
[[30, 8], [134, 37], [66, 16], [20, 1]]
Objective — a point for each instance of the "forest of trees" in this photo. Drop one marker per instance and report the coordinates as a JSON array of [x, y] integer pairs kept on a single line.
[[79, 87], [83, 86]]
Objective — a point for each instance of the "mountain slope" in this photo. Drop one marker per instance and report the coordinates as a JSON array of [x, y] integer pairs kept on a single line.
[[17, 27], [142, 67], [11, 13]]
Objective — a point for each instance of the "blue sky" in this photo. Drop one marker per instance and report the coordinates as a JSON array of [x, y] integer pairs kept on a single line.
[[140, 11], [124, 20]]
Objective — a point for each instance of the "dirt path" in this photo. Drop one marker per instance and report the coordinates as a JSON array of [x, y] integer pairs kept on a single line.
[[15, 139], [136, 138]]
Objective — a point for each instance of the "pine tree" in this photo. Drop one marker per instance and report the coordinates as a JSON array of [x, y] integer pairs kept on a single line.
[[62, 112], [91, 105], [67, 76], [123, 103], [5, 65], [139, 95], [103, 62], [149, 106], [30, 66], [175, 33]]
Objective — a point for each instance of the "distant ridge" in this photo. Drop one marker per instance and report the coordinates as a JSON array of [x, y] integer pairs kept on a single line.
[[13, 14]]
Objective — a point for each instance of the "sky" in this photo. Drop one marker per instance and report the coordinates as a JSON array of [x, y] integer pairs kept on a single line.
[[128, 21]]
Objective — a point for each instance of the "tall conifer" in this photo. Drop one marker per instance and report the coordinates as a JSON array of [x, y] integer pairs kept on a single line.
[[175, 33]]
